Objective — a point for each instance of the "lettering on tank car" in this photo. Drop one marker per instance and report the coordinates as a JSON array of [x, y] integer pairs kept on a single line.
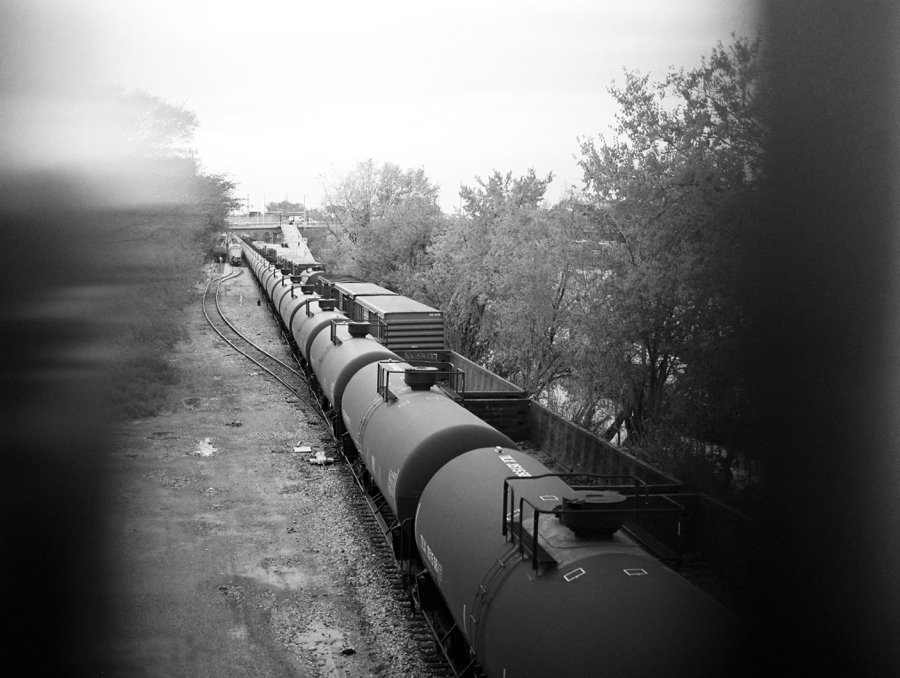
[[429, 556], [514, 466], [635, 572], [392, 482], [574, 574]]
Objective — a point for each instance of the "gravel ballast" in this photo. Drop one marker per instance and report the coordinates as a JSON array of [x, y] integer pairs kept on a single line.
[[234, 556]]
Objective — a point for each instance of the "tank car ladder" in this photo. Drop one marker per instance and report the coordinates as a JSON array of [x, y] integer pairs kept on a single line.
[[483, 597]]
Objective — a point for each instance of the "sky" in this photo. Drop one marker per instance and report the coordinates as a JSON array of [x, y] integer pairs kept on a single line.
[[291, 94]]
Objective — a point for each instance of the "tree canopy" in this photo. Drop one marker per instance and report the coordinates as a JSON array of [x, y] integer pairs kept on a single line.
[[148, 126], [673, 189], [617, 306], [161, 216], [380, 220], [501, 272]]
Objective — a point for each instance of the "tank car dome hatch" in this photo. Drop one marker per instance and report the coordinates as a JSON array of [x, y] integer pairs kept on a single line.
[[358, 330], [595, 514], [420, 378]]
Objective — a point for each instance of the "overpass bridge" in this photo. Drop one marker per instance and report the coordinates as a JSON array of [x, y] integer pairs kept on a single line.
[[269, 228]]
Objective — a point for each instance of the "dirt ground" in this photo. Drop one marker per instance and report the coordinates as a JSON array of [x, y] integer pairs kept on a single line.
[[236, 557]]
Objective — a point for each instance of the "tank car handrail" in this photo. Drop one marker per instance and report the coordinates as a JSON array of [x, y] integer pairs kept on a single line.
[[334, 325], [513, 529], [324, 305], [382, 382], [638, 482], [455, 376], [343, 322]]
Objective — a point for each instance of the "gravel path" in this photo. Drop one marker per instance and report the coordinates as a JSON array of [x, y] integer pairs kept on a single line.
[[233, 555]]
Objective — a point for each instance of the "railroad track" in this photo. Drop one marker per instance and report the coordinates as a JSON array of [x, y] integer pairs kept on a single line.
[[294, 381], [286, 374], [415, 622]]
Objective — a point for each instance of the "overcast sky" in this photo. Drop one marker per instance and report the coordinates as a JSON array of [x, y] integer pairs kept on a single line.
[[290, 92]]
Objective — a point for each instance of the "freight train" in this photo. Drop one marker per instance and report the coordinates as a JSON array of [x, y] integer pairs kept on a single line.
[[519, 571], [227, 247], [235, 252]]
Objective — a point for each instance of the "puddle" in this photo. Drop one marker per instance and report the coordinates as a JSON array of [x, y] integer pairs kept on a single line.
[[205, 448], [285, 576]]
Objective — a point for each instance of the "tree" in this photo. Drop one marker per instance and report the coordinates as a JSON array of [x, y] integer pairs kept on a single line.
[[159, 214], [380, 221], [149, 126], [672, 189], [526, 320], [501, 272]]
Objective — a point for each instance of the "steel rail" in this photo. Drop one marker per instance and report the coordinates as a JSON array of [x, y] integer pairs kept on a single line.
[[290, 387], [219, 282]]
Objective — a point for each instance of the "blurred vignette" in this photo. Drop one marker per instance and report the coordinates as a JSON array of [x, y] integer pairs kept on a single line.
[[824, 361], [57, 296], [823, 356], [77, 188]]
